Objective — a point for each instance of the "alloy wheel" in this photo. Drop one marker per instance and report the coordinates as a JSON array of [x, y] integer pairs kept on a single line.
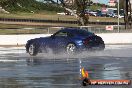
[[70, 48]]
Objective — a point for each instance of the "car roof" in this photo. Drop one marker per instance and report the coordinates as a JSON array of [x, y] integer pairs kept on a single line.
[[71, 29], [77, 31]]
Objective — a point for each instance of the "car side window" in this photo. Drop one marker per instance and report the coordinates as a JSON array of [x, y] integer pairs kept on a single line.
[[70, 35], [61, 34]]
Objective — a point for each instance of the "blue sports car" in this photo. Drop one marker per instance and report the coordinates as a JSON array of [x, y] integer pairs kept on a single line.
[[67, 40]]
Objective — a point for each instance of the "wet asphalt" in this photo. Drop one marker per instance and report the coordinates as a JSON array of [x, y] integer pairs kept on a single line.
[[20, 70]]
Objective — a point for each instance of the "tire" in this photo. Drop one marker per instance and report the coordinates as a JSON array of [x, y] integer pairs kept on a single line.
[[71, 49], [33, 49]]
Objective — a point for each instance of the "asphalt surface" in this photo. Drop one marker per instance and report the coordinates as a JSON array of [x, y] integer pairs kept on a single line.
[[19, 70]]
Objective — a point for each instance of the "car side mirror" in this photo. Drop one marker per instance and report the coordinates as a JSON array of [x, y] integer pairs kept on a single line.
[[52, 36]]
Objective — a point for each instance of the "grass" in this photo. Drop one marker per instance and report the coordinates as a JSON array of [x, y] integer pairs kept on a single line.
[[104, 19], [38, 16]]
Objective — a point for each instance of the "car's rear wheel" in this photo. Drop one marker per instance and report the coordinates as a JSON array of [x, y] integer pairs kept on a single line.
[[33, 49], [71, 49]]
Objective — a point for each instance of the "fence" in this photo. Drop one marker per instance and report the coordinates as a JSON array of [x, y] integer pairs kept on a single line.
[[95, 29]]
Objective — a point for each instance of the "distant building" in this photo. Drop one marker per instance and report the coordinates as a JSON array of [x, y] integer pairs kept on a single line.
[[112, 3]]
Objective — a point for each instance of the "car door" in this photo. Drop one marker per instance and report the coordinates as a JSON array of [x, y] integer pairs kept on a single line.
[[60, 40]]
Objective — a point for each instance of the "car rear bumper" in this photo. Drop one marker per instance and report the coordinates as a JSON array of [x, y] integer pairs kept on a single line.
[[91, 47]]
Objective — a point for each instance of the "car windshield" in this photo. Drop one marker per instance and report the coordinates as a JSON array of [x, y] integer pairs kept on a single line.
[[84, 33]]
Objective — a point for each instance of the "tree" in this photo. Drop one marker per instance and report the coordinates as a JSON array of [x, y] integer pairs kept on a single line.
[[80, 6], [2, 1], [71, 5], [121, 4], [128, 17]]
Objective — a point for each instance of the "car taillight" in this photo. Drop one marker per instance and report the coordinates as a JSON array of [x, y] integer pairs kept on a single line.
[[85, 41]]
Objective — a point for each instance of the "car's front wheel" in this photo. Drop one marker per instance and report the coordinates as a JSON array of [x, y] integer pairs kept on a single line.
[[71, 49], [33, 49]]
